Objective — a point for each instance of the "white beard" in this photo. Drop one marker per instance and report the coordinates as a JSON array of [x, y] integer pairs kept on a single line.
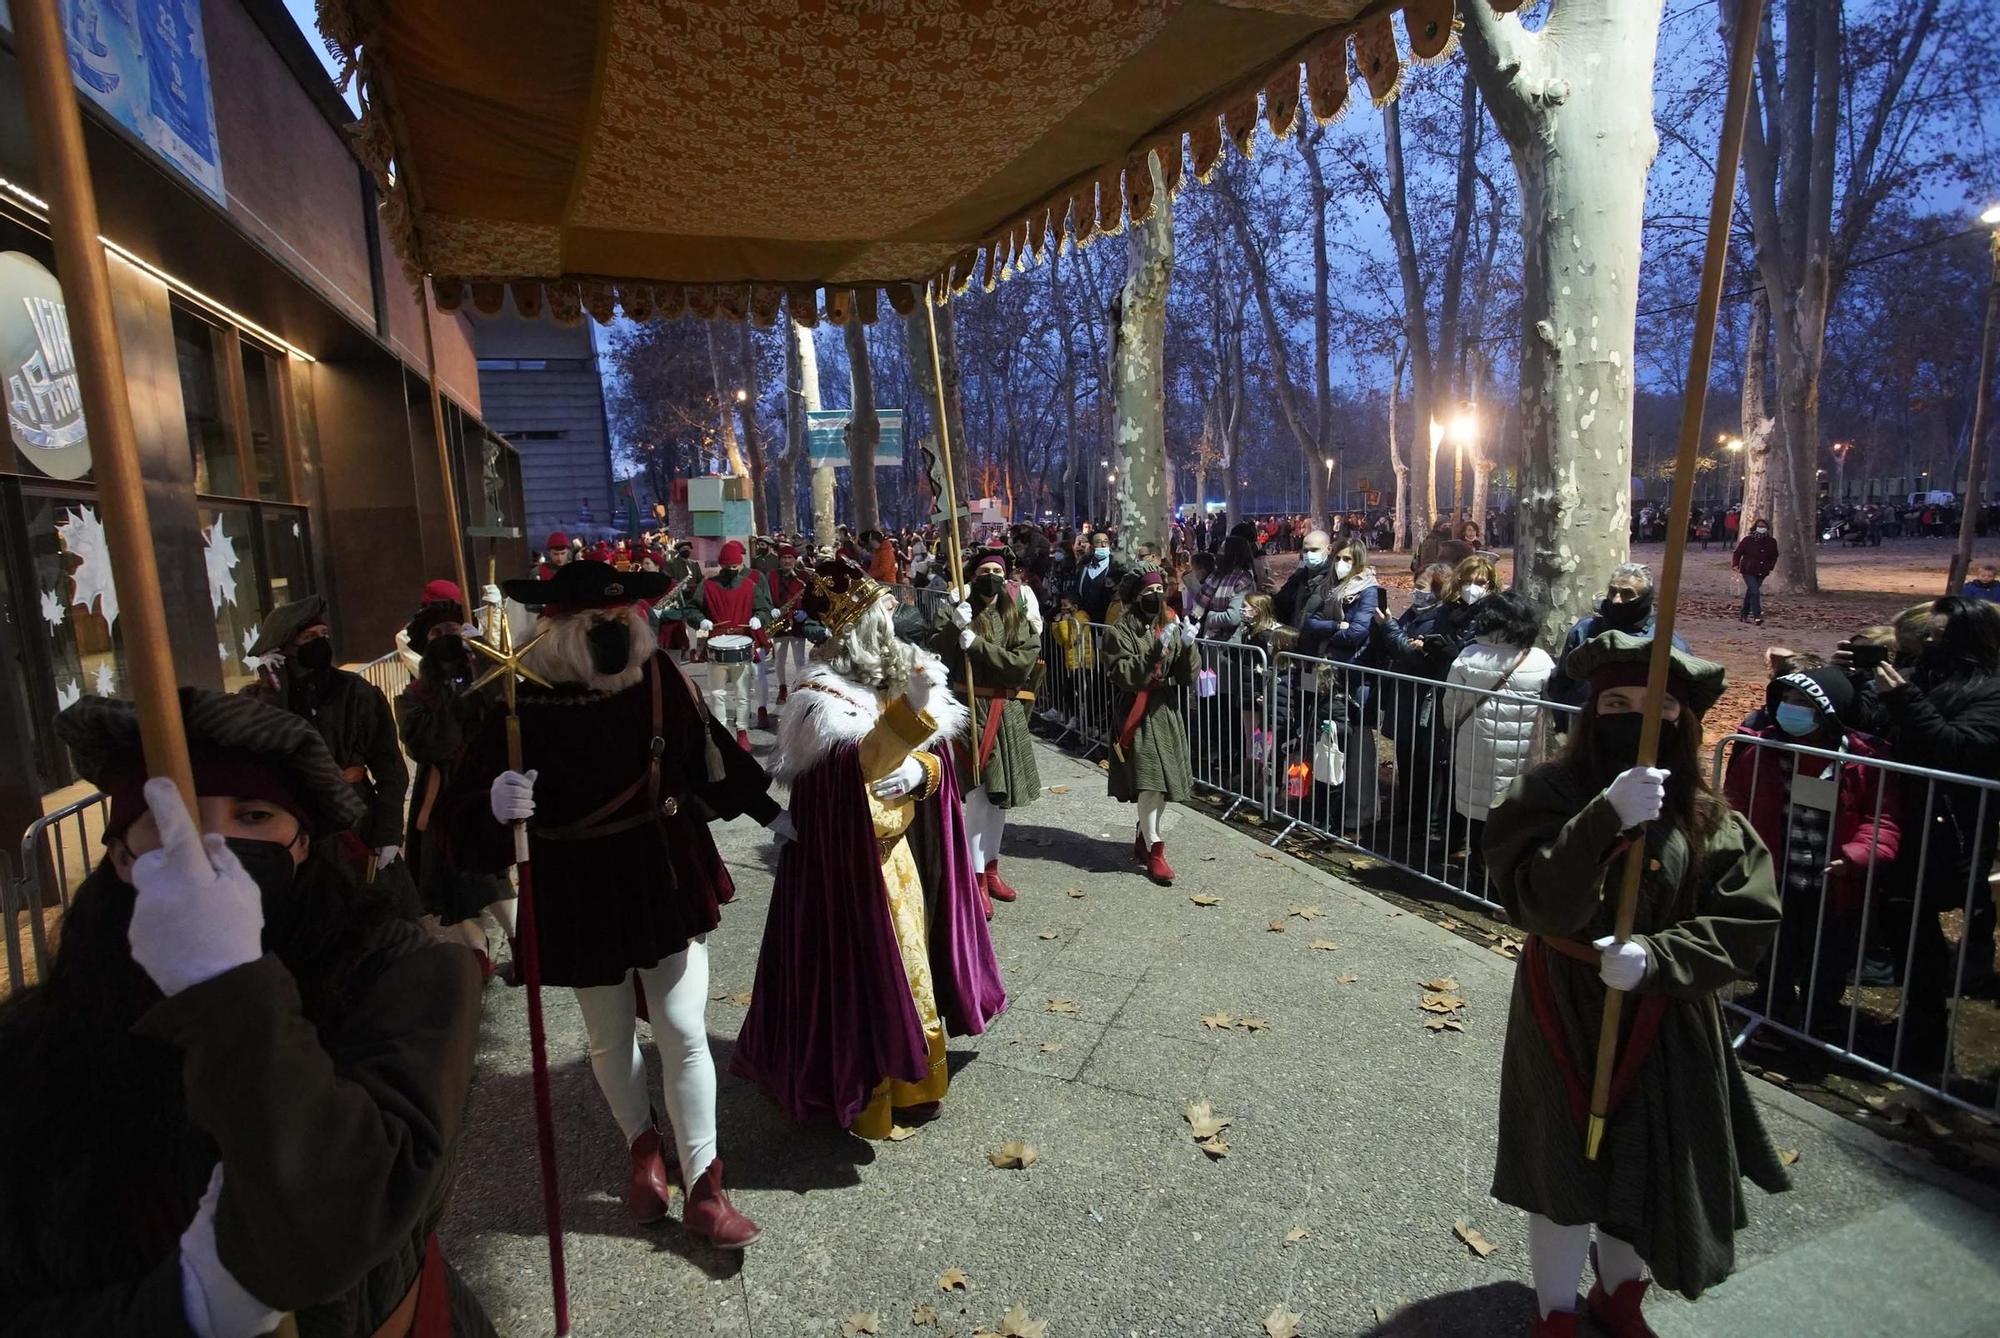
[[870, 654], [827, 710], [562, 656]]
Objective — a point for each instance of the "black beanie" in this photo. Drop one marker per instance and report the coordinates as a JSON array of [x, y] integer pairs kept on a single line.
[[1828, 687]]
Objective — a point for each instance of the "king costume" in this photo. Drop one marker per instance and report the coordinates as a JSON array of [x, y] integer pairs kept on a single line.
[[875, 949]]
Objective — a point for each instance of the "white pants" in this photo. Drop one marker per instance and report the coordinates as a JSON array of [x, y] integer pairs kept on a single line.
[[1556, 1255], [729, 694], [677, 1001], [788, 655], [984, 823], [1152, 807]]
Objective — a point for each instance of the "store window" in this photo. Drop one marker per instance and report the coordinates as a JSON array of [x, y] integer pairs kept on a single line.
[[216, 466], [267, 448], [78, 604], [287, 554], [234, 587]]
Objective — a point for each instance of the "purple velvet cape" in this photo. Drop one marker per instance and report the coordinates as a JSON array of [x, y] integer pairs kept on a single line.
[[831, 1014]]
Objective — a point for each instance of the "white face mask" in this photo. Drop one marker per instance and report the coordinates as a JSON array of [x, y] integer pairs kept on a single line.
[[1313, 557], [1472, 593], [1342, 568]]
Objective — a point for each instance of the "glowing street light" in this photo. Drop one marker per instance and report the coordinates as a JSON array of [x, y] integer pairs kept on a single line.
[[741, 395]]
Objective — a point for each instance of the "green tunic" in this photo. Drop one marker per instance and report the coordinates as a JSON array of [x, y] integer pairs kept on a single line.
[[1157, 758], [1003, 655], [1669, 1175]]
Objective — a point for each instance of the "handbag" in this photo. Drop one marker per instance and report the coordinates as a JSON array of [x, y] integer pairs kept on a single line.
[[1329, 765], [1206, 684]]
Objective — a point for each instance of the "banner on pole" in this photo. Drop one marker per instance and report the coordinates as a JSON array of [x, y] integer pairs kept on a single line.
[[826, 437]]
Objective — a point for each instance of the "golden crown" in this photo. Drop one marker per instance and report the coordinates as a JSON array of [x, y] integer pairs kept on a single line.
[[837, 594]]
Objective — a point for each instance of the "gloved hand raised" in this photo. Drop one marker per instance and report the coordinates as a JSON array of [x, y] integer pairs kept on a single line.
[[903, 781], [1637, 795], [706, 627], [197, 913], [1622, 966], [756, 624], [513, 796], [491, 596], [918, 690]]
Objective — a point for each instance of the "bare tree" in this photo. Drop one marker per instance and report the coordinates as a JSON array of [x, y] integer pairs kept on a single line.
[[752, 394], [1398, 461], [732, 453], [802, 397], [1139, 379], [1758, 428], [864, 429]]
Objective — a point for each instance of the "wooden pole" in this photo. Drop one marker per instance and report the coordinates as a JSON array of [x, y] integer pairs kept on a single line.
[[100, 364], [453, 527], [1720, 206], [951, 509]]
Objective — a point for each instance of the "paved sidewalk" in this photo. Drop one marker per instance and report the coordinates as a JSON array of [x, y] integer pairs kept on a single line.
[[1351, 1121]]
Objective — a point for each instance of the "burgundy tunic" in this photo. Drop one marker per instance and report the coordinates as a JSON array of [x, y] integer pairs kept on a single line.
[[606, 904]]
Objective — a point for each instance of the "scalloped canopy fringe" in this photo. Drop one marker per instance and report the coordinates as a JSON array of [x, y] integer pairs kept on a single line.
[[608, 157]]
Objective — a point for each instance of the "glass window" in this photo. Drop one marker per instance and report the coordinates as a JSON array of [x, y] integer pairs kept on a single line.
[[78, 604], [215, 464], [288, 553], [267, 445], [233, 587]]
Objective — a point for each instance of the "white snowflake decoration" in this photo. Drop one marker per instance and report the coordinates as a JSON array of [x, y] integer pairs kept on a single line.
[[219, 552], [295, 529], [54, 611], [67, 695], [83, 538], [250, 662], [106, 685]]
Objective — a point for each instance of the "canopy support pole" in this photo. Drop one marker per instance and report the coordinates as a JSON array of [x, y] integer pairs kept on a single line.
[[949, 505], [1715, 259], [100, 363], [452, 525]]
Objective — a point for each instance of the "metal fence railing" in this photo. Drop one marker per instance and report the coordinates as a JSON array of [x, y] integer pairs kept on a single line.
[[390, 673], [57, 853]]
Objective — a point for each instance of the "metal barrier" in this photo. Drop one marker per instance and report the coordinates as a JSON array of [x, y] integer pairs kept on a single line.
[[390, 673], [1873, 858], [57, 853]]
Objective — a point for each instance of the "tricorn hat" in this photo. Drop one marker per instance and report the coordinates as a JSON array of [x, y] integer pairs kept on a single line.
[[1621, 660], [585, 584], [286, 621]]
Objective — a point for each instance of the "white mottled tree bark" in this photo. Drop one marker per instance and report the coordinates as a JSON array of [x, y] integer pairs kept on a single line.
[[864, 429], [802, 381], [1138, 424], [1574, 101], [1759, 428]]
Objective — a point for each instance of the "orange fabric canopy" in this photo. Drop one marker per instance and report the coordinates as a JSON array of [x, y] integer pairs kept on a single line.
[[717, 155]]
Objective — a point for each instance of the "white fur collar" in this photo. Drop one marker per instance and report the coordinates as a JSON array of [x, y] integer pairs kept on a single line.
[[826, 711]]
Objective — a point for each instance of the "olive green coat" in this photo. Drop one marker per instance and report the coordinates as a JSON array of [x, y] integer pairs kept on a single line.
[[1677, 1147], [1157, 758], [1003, 654]]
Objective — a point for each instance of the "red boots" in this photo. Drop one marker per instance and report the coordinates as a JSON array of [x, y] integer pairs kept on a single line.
[[985, 897], [1562, 1324], [996, 887], [764, 715], [1617, 1312], [1157, 867], [646, 1191], [782, 694], [711, 1218], [743, 739]]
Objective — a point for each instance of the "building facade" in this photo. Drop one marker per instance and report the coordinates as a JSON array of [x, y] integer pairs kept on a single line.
[[540, 386], [276, 364]]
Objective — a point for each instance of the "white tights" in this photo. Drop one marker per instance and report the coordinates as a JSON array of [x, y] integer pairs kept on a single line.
[[784, 650], [677, 1001], [985, 821], [729, 693], [1152, 803], [1556, 1254], [473, 930]]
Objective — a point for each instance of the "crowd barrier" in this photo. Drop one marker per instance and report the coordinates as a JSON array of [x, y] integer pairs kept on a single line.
[[57, 852], [391, 673]]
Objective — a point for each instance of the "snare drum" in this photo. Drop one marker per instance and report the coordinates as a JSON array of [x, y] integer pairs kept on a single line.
[[730, 649]]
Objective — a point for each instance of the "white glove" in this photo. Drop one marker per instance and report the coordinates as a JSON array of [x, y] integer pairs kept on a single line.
[[1622, 965], [962, 614], [782, 828], [756, 624], [900, 782], [1637, 795], [918, 690], [214, 1302], [966, 638], [387, 855], [706, 627], [491, 596], [197, 914], [513, 796], [274, 660]]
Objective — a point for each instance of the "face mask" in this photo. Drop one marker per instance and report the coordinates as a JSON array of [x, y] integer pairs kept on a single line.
[[1472, 593], [1100, 554], [728, 572], [1423, 599], [1149, 605], [272, 868], [986, 587], [1630, 615], [1797, 721], [610, 646], [446, 655], [316, 654], [1313, 557], [1343, 569], [1618, 740]]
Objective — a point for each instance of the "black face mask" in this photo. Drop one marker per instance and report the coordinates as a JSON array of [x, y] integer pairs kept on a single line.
[[1149, 605], [445, 656], [986, 587], [1935, 665], [316, 654], [272, 868], [610, 646], [1629, 616], [1617, 740]]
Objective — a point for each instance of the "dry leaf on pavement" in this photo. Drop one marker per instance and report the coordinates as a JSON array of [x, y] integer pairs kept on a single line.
[[1471, 1236], [1787, 1156], [1215, 1147], [855, 1325], [1076, 892], [1277, 926], [1347, 978], [1206, 901], [899, 1132], [1324, 945], [1283, 1323], [1059, 789], [743, 998], [1303, 912], [1442, 985], [1442, 1003], [1016, 1324], [1295, 1235], [1046, 934], [1448, 923], [1050, 1047], [1201, 1118], [953, 1280], [1218, 1021], [1014, 1156], [1444, 1024], [1254, 1023], [1265, 854], [1061, 1006], [925, 1313]]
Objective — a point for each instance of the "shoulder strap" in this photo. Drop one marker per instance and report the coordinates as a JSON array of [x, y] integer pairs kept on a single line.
[[1498, 686]]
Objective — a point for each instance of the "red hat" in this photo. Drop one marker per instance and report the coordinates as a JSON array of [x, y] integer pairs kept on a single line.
[[557, 539], [1151, 577], [731, 554], [441, 592], [787, 551]]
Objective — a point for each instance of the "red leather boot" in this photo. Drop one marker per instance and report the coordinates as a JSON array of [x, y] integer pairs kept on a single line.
[[764, 715], [646, 1191], [1617, 1312], [1157, 867], [783, 692], [996, 887], [711, 1218], [1561, 1324], [985, 896], [743, 739]]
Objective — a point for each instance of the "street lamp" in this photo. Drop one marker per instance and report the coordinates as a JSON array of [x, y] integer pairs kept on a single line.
[[741, 394], [1734, 445], [1840, 450], [1464, 433], [1975, 456]]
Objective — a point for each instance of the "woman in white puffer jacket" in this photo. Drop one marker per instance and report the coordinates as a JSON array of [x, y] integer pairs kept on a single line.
[[1494, 738]]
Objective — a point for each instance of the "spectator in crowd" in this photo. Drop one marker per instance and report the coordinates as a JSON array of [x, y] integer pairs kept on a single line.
[[1220, 611], [1332, 599], [1826, 824], [1755, 557], [1097, 579], [1422, 754], [1986, 585], [1494, 739], [882, 562], [1627, 606], [1439, 546], [1779, 661], [1260, 569]]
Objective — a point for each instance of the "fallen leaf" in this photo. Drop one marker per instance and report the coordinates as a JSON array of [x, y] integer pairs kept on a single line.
[[1324, 945], [1215, 1147], [1283, 1323], [1061, 1006], [1303, 912], [925, 1313], [1448, 923], [1265, 854], [860, 1324], [899, 1132], [1444, 1024], [1076, 892], [1480, 1245], [1050, 1047], [719, 995], [1016, 1324], [1059, 789], [1787, 1156], [953, 1280], [1932, 1125], [1046, 935], [1014, 1156], [1347, 978], [1442, 1003], [1218, 1021], [1295, 1235], [1206, 901], [1254, 1024], [1507, 950], [1442, 985], [1277, 926], [742, 999], [1201, 1118]]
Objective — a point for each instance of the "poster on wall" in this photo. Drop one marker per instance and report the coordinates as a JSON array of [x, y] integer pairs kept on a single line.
[[145, 62], [44, 401]]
